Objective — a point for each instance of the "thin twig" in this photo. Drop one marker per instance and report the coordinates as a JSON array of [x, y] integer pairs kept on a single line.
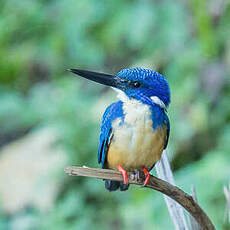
[[176, 212], [155, 183], [227, 196]]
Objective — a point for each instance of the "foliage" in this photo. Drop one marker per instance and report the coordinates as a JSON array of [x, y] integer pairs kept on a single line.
[[187, 41]]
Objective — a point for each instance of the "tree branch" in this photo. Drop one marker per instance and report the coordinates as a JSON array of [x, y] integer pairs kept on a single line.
[[155, 183]]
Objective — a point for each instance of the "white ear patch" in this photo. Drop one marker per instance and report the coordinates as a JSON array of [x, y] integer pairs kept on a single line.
[[158, 101]]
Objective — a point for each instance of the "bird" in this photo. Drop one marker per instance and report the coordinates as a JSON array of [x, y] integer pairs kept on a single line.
[[135, 129]]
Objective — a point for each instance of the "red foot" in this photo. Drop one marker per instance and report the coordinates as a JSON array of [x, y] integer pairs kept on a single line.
[[147, 176], [124, 174]]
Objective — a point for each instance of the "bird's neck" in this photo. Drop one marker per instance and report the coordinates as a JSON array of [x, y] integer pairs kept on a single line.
[[152, 101]]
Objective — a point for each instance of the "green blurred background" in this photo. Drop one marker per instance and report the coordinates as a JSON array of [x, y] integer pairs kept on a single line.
[[50, 119]]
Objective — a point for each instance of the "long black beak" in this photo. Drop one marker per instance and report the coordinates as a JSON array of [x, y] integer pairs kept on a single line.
[[105, 79]]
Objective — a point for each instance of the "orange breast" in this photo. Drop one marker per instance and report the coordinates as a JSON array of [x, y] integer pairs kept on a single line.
[[136, 147]]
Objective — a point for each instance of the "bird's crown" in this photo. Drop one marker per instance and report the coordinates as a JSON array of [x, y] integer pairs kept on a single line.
[[142, 83]]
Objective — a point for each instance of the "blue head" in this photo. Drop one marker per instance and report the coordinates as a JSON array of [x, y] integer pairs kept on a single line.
[[141, 84]]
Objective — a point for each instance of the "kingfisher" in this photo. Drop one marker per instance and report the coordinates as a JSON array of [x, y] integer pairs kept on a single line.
[[135, 129]]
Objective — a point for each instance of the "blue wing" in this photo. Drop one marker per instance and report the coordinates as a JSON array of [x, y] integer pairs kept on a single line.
[[113, 112], [160, 118]]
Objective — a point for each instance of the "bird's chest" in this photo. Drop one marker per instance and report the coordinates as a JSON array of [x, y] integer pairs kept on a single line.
[[135, 143]]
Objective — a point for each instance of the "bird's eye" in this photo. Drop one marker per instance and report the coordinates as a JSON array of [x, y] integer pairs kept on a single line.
[[136, 84]]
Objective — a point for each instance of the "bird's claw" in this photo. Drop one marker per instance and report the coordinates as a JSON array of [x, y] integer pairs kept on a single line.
[[147, 176], [124, 174], [136, 175]]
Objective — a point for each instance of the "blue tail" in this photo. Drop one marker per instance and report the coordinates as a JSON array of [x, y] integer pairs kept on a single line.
[[115, 185]]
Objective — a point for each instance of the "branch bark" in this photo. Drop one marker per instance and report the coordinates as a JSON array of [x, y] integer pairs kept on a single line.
[[155, 183]]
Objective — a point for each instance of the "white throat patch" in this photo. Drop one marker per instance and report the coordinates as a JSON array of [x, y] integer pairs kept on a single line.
[[123, 97]]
